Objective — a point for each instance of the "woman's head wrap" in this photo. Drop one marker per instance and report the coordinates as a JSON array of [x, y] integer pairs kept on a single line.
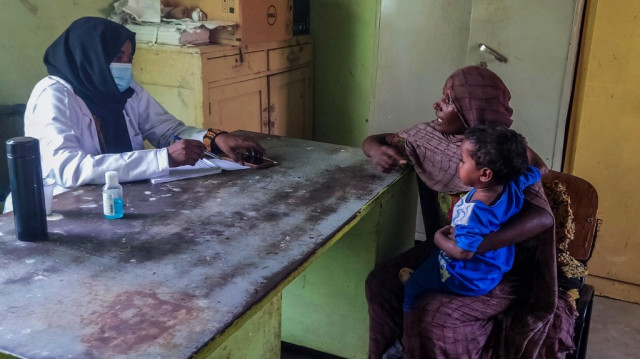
[[81, 57], [480, 97]]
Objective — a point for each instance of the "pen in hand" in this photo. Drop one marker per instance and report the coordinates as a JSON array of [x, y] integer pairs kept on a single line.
[[206, 152]]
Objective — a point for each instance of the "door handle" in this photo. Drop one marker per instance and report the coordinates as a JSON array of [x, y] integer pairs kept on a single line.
[[498, 56]]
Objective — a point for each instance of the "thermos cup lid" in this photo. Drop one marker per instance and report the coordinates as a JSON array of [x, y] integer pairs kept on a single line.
[[23, 147]]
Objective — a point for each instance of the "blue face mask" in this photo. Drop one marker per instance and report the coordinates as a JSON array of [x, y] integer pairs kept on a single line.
[[122, 75]]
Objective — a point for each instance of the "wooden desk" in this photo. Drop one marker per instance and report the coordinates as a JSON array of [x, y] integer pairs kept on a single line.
[[198, 267]]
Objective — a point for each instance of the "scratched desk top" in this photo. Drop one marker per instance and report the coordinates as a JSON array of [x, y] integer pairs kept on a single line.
[[188, 258]]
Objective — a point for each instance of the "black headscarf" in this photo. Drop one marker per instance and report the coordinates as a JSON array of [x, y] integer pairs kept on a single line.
[[81, 56]]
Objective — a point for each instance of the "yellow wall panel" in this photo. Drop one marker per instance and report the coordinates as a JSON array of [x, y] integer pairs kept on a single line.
[[605, 122]]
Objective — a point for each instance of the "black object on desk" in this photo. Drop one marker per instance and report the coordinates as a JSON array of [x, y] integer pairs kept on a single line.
[[25, 177]]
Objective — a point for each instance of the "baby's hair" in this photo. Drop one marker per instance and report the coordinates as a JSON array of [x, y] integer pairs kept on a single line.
[[500, 149]]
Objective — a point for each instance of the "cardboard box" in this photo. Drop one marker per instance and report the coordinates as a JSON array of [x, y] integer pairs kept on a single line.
[[258, 20]]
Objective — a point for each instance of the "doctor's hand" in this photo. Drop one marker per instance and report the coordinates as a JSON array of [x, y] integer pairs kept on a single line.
[[232, 145], [185, 152]]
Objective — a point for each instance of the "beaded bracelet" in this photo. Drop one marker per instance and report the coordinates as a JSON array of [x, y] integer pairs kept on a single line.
[[398, 142], [209, 140]]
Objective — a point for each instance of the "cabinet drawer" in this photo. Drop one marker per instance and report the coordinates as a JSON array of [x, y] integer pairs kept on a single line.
[[289, 56], [226, 67]]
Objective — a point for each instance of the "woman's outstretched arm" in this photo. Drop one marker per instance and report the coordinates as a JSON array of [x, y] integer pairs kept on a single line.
[[531, 221], [382, 153]]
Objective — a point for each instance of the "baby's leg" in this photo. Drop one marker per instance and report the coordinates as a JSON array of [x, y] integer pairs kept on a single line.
[[425, 279]]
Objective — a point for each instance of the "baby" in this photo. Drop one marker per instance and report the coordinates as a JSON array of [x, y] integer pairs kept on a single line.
[[495, 162]]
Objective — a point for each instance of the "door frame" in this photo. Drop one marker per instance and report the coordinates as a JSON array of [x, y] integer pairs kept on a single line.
[[568, 88]]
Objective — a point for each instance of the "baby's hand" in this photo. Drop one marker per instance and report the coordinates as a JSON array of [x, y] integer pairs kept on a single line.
[[448, 232]]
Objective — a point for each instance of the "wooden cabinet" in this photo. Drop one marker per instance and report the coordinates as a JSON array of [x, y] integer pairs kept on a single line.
[[239, 105], [263, 88], [290, 98]]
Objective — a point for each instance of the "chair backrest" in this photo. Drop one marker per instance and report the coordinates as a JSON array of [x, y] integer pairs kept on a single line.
[[584, 205], [11, 125]]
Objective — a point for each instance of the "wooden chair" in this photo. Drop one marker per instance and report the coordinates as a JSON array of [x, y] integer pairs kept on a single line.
[[584, 205]]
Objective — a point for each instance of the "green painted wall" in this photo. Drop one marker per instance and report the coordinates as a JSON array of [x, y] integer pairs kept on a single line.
[[27, 28], [344, 34]]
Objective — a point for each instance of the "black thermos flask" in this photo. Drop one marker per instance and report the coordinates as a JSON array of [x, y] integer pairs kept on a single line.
[[25, 178]]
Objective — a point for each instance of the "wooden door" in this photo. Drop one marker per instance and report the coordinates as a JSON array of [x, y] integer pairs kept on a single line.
[[290, 104], [239, 106]]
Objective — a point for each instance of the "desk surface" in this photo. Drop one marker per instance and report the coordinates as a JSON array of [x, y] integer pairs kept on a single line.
[[188, 259]]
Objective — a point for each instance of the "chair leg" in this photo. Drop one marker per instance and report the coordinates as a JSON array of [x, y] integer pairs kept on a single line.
[[583, 321], [584, 338]]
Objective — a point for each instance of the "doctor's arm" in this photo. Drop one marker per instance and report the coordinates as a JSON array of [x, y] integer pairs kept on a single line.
[[158, 126], [69, 145]]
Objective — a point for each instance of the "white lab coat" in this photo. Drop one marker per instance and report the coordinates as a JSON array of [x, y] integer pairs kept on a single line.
[[69, 145]]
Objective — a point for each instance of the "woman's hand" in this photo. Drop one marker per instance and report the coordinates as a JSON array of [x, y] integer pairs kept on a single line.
[[185, 152], [536, 161], [386, 157], [231, 146]]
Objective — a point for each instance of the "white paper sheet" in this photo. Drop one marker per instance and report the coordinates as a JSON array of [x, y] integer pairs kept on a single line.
[[201, 168], [228, 165]]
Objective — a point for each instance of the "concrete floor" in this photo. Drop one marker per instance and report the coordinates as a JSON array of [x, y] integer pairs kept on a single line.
[[614, 333], [615, 329]]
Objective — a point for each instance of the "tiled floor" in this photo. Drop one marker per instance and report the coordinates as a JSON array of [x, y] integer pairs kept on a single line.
[[614, 333]]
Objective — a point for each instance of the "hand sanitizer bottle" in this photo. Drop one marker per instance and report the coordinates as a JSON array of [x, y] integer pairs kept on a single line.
[[112, 203]]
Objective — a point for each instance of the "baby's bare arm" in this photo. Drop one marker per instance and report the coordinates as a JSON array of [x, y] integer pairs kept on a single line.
[[444, 239]]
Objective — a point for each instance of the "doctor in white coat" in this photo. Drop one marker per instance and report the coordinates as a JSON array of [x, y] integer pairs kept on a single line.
[[90, 116]]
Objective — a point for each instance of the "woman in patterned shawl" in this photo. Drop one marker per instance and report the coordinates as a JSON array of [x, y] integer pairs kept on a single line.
[[525, 316]]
